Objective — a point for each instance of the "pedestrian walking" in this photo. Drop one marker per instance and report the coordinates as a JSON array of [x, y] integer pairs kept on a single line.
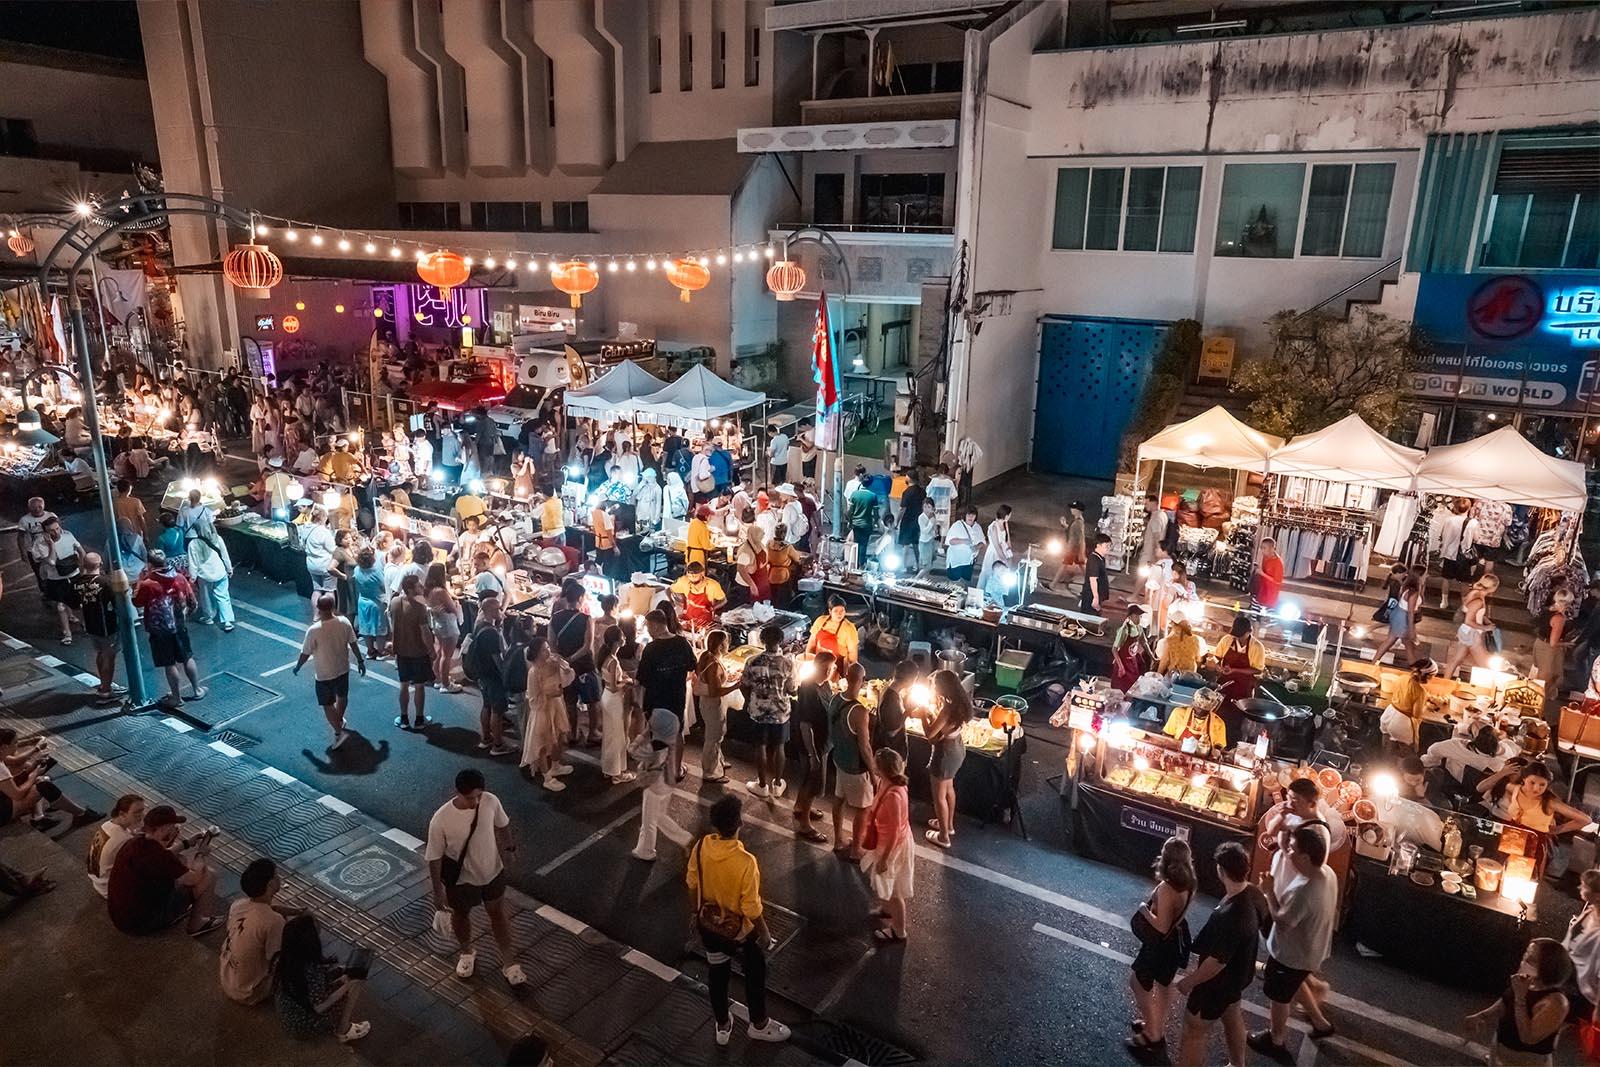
[[317, 541], [211, 566], [546, 726], [483, 657], [572, 639], [99, 606], [413, 651], [664, 669], [711, 688], [1303, 910], [165, 596], [725, 889], [330, 641], [56, 556], [466, 869], [444, 622], [1530, 1014], [1163, 935], [653, 752], [890, 856], [770, 678], [950, 711], [616, 695], [1226, 948], [850, 734]]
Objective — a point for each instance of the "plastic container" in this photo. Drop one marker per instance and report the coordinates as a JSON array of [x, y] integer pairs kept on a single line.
[[1487, 876], [1010, 666], [1014, 703]]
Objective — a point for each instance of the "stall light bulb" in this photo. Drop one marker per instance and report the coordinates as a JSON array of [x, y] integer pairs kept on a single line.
[[705, 261], [631, 265], [83, 209], [511, 264], [722, 259], [1144, 570], [611, 266], [261, 230], [439, 532], [1086, 743], [1358, 632], [892, 560], [344, 245], [338, 309], [468, 261], [394, 520], [625, 613], [1119, 734], [649, 264], [369, 248], [1055, 547], [1497, 663], [330, 500], [316, 239], [438, 474], [500, 569], [291, 235], [1198, 778], [476, 485], [804, 672], [394, 251], [921, 695], [768, 253], [1008, 580], [1290, 612], [1140, 763], [575, 471], [295, 491], [282, 514], [1385, 786], [594, 264]]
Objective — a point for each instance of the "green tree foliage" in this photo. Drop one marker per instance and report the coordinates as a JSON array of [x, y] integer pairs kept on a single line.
[[1170, 371]]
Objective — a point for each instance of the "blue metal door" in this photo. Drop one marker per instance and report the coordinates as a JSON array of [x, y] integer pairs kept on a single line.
[[1092, 373]]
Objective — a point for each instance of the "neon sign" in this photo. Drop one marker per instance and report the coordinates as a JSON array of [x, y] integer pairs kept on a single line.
[[429, 310], [1575, 313]]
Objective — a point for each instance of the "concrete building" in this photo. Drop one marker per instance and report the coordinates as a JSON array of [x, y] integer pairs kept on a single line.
[[1112, 186], [71, 125]]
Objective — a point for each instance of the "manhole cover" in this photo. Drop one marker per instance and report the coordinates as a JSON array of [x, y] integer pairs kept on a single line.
[[229, 697], [849, 1043], [359, 876]]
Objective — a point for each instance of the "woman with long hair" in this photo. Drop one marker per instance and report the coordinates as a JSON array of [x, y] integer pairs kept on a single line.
[[710, 686], [628, 659], [1531, 1012], [1522, 795], [1404, 611], [1583, 945], [952, 708], [1162, 949], [615, 695], [545, 724], [372, 606], [314, 995], [444, 620], [1472, 636], [888, 863]]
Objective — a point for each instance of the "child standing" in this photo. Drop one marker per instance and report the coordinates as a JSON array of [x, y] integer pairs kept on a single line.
[[927, 536], [888, 863]]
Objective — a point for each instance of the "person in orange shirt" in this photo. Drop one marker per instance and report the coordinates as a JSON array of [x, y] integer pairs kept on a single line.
[[697, 541], [1269, 574], [604, 525]]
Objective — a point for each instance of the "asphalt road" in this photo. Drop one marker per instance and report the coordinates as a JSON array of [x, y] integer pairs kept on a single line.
[[1018, 951]]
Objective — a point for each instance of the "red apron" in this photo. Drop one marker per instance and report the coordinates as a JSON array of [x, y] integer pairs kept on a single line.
[[1128, 662], [697, 612], [1239, 686], [828, 641]]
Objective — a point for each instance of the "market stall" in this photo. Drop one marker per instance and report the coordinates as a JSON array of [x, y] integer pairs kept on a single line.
[[614, 394], [698, 397]]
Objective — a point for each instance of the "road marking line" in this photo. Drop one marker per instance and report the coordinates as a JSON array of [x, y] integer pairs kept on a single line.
[[1366, 1051], [226, 749], [1017, 885], [295, 624], [850, 974], [176, 724], [87, 679], [561, 919], [651, 965], [48, 661], [392, 683], [599, 835], [281, 777], [13, 643], [401, 838], [333, 803], [283, 667]]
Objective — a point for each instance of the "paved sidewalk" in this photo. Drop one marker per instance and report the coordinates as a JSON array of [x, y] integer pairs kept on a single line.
[[593, 999]]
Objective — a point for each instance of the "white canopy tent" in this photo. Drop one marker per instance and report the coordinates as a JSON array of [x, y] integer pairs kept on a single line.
[[1213, 438], [697, 396], [1503, 466], [618, 388], [1349, 451]]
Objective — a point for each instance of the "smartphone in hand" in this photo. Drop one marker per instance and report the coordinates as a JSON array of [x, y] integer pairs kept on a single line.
[[360, 963]]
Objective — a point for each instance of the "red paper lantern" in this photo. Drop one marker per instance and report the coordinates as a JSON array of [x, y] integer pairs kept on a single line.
[[21, 244], [443, 270], [689, 276], [575, 278], [252, 269], [785, 278]]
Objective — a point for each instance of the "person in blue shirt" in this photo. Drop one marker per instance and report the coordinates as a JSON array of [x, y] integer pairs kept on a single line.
[[721, 465]]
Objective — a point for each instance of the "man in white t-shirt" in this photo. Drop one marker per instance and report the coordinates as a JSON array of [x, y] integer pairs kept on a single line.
[[30, 528], [329, 642], [1304, 902], [127, 816], [962, 543], [466, 838], [1303, 804], [56, 558], [778, 458], [318, 543]]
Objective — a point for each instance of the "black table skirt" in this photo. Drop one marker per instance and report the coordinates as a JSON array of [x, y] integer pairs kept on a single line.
[[1111, 828], [1432, 933], [275, 559]]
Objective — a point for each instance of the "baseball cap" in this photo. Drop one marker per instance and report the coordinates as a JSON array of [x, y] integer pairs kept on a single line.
[[162, 815], [664, 725]]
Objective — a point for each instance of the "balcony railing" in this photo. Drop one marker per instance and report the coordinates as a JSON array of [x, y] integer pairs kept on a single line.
[[882, 108], [866, 227]]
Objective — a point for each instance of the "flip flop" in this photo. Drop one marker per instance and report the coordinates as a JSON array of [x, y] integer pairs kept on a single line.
[[933, 835], [402, 723], [810, 834]]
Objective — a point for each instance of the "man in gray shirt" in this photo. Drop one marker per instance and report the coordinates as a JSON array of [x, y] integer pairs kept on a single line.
[[1303, 910]]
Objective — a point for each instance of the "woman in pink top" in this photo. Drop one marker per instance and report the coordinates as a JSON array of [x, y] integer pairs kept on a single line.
[[889, 860]]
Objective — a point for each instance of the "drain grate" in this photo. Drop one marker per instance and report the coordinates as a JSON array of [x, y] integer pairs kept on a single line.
[[236, 739], [230, 696], [855, 1045]]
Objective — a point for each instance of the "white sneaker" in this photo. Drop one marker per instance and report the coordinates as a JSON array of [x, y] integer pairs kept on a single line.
[[513, 975], [724, 1033], [356, 1032], [624, 777], [552, 783], [773, 1031], [561, 770], [778, 787], [757, 790], [648, 857], [466, 964]]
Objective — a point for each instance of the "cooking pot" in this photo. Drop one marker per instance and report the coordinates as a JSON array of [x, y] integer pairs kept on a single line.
[[1355, 684], [1290, 731]]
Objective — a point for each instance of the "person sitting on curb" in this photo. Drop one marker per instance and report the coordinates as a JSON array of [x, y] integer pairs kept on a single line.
[[127, 816], [25, 787], [154, 886], [255, 935], [310, 986]]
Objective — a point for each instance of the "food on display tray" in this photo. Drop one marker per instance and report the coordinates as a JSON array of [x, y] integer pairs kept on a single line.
[[1121, 777], [1171, 788], [1198, 796], [1227, 803], [1146, 781]]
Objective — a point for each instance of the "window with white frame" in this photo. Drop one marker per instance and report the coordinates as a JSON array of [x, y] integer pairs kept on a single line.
[[1544, 208], [1271, 210], [1129, 209], [1347, 209]]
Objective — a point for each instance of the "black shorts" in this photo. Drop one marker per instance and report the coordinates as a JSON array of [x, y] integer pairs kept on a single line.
[[770, 733], [462, 897], [1457, 570], [334, 689], [1157, 963], [170, 650], [494, 698], [959, 574], [1281, 983], [60, 591], [417, 670], [1210, 999], [172, 912]]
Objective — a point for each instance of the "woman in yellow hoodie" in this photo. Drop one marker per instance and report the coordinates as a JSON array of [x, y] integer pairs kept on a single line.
[[725, 895]]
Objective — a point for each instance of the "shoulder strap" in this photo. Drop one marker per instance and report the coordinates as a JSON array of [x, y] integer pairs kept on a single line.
[[472, 829]]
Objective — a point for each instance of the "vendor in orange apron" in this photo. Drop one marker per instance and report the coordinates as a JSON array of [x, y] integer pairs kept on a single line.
[[1242, 659], [699, 597], [835, 633], [697, 542], [604, 528], [1201, 720]]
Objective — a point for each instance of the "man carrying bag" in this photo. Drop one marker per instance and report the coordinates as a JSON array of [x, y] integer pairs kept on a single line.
[[464, 862]]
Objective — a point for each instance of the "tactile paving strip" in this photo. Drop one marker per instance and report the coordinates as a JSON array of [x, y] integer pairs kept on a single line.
[[563, 995], [606, 1021]]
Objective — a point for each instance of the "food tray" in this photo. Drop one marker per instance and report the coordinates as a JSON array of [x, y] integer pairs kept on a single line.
[[1146, 781], [1198, 796], [1121, 777], [1226, 803], [1171, 788]]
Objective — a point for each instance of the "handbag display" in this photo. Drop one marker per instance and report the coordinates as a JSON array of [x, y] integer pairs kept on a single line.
[[710, 916]]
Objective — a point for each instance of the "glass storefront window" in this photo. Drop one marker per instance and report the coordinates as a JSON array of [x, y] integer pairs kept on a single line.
[[1554, 435], [1475, 422]]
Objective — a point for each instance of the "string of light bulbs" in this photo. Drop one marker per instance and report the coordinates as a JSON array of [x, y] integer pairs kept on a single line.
[[379, 246]]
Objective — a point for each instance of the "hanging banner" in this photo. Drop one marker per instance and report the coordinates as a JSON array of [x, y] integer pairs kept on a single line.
[[535, 318], [825, 372]]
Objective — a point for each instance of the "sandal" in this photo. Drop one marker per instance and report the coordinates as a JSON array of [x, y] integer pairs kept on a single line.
[[884, 935], [402, 723], [812, 834], [933, 835]]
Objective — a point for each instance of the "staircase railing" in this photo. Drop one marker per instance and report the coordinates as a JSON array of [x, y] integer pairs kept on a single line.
[[1340, 294]]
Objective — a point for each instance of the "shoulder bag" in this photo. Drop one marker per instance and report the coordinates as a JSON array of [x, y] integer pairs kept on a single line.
[[450, 866], [710, 916]]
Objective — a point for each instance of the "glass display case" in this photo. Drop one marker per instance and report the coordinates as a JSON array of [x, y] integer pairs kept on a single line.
[[1148, 767]]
